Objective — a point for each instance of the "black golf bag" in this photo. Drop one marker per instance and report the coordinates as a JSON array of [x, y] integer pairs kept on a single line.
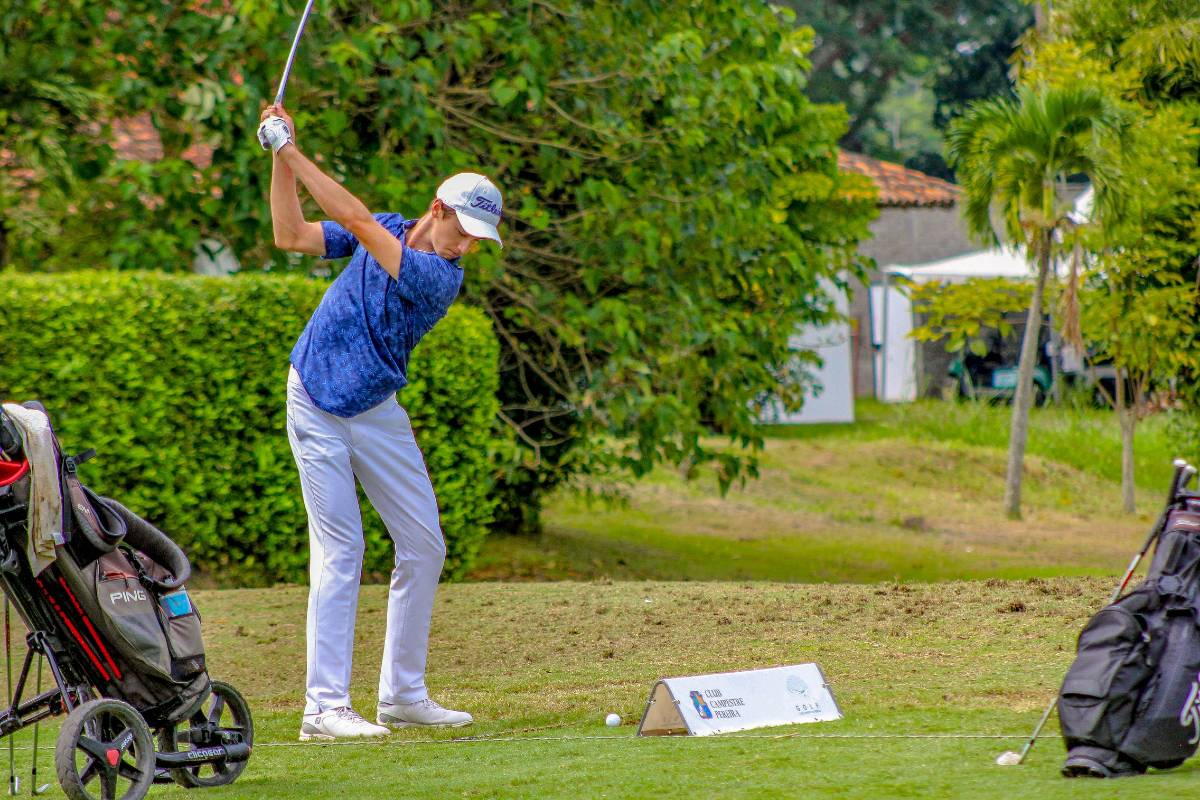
[[113, 620], [1131, 700]]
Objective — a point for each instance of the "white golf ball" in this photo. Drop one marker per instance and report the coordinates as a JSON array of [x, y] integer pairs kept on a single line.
[[1008, 759], [612, 720]]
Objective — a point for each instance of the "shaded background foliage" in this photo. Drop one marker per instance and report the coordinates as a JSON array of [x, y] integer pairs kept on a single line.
[[179, 383], [905, 68], [673, 204]]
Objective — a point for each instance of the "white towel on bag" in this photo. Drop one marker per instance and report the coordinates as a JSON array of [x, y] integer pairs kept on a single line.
[[45, 492]]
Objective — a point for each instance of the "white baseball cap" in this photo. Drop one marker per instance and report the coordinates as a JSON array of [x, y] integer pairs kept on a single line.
[[476, 201]]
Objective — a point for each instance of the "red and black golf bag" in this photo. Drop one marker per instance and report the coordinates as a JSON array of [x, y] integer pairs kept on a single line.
[[101, 592]]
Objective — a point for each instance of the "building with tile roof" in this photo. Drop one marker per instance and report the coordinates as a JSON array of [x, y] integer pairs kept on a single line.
[[919, 221]]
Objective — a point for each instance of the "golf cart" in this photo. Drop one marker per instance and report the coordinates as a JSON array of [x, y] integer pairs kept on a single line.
[[993, 375]]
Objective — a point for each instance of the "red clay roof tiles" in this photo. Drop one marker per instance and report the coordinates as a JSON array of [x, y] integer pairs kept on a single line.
[[900, 186]]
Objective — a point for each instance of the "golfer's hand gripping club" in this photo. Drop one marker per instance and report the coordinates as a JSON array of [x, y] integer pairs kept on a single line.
[[276, 128], [274, 133]]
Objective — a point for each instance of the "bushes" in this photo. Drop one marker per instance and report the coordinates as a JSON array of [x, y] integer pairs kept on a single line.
[[179, 383]]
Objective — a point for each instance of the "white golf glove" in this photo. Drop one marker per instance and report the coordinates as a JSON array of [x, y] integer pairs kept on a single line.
[[274, 133]]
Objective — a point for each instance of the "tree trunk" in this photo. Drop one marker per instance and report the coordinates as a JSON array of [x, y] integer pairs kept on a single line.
[[1023, 398], [1127, 416]]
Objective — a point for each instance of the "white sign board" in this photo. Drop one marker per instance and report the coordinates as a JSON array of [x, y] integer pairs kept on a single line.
[[701, 705]]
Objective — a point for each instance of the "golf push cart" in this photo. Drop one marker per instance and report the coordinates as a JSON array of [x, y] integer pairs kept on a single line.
[[101, 594]]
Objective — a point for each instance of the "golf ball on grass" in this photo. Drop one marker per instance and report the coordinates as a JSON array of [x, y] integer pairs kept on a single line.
[[612, 720], [1008, 759]]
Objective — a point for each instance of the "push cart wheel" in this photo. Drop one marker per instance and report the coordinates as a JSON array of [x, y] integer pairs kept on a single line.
[[105, 752], [223, 718]]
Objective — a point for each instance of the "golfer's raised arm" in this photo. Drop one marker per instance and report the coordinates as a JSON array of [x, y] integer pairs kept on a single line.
[[291, 231], [287, 218], [345, 209]]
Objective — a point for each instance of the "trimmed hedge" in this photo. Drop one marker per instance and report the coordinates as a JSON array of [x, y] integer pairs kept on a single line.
[[180, 384]]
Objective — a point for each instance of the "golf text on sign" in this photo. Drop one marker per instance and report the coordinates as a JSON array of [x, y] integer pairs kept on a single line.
[[737, 701]]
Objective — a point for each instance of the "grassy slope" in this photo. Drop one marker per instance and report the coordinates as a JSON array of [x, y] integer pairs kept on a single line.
[[549, 660], [909, 493]]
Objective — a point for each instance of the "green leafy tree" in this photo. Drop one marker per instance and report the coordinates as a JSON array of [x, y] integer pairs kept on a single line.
[[1145, 332], [672, 199], [959, 314], [1151, 46], [51, 108], [1139, 302], [980, 68], [1009, 156], [869, 53], [1140, 309]]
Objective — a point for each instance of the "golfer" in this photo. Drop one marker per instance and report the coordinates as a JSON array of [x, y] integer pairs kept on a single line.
[[343, 422]]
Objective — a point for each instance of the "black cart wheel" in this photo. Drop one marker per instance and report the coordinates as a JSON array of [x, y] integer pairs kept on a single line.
[[105, 752], [224, 718]]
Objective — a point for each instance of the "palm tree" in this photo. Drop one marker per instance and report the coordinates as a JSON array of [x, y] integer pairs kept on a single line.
[[1008, 155]]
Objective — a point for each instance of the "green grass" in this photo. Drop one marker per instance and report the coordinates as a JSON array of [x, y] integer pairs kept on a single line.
[[1082, 437], [909, 493], [541, 664], [801, 565]]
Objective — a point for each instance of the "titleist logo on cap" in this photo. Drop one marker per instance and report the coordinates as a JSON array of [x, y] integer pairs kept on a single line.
[[484, 204]]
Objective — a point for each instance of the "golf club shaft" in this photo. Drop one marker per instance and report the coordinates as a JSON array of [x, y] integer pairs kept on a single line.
[[287, 69], [33, 769], [1176, 481], [13, 781], [1115, 595]]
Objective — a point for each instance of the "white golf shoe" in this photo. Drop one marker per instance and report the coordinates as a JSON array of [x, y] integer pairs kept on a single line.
[[422, 712], [339, 723]]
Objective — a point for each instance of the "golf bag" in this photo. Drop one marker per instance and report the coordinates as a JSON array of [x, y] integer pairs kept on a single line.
[[1131, 700], [109, 613]]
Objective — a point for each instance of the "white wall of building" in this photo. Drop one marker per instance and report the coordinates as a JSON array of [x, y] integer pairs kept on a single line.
[[832, 400]]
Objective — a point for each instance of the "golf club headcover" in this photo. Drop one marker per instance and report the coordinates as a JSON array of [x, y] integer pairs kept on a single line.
[[274, 133]]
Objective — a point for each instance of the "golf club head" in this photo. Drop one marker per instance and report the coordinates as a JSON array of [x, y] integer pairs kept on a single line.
[[45, 787], [1186, 476], [1176, 487]]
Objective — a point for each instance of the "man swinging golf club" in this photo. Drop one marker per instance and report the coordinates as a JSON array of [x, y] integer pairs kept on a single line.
[[344, 423]]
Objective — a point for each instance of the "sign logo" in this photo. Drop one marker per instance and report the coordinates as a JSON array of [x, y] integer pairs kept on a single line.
[[796, 685], [484, 204], [701, 705], [1189, 715]]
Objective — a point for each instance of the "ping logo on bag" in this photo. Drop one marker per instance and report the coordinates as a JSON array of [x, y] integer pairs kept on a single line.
[[136, 596], [1190, 713]]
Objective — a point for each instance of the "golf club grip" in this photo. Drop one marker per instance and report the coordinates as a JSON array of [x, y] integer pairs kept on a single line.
[[1176, 478], [287, 69]]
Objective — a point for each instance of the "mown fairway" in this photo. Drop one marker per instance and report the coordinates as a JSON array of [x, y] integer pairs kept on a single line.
[[540, 665]]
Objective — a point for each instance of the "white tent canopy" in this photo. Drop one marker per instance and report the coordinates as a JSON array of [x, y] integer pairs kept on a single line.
[[995, 263], [892, 316]]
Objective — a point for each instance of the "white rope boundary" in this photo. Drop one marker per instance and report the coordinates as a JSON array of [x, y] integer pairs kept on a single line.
[[484, 739], [508, 738]]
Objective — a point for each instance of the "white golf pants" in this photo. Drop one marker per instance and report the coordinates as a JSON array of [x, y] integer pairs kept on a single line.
[[378, 448]]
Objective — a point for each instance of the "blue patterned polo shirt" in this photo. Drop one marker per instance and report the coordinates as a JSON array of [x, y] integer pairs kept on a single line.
[[353, 353]]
